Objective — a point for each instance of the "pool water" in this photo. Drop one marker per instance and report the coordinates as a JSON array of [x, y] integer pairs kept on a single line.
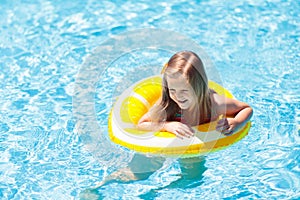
[[44, 45]]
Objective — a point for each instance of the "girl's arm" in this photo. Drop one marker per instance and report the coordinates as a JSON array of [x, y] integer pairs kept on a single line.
[[179, 129], [145, 123], [237, 114]]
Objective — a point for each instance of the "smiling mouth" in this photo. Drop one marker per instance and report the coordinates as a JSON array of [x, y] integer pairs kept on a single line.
[[182, 101]]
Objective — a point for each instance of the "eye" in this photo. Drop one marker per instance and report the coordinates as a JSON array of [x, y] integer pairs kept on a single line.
[[171, 90], [184, 91]]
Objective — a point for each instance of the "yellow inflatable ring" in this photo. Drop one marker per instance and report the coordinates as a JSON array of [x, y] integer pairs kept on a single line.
[[134, 102]]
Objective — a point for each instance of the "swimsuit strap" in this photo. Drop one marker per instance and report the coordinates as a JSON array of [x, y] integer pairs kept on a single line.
[[179, 117]]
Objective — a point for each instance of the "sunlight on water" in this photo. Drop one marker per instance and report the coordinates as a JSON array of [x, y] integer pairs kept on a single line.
[[254, 46]]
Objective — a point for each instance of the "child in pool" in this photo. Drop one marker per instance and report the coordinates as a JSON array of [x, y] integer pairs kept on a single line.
[[187, 101]]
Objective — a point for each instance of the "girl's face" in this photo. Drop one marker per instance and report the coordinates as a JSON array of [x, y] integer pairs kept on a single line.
[[182, 92]]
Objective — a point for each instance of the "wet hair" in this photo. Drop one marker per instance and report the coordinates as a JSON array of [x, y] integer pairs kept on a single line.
[[189, 65]]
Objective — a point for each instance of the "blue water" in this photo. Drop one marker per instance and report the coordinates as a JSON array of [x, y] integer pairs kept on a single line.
[[44, 45]]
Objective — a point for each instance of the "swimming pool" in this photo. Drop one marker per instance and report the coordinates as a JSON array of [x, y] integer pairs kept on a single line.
[[253, 45]]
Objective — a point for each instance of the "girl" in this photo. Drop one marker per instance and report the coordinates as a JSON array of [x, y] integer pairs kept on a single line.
[[187, 101]]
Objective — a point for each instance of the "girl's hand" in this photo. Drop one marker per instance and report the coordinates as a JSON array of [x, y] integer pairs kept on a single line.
[[227, 126], [179, 129]]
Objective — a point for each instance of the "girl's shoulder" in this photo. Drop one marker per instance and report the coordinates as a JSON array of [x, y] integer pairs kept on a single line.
[[219, 103], [217, 99], [226, 105]]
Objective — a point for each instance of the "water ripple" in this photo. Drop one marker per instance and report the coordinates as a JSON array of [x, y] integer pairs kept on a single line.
[[254, 44]]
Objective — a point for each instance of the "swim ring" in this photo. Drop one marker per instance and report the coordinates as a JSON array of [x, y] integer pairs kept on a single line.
[[135, 101]]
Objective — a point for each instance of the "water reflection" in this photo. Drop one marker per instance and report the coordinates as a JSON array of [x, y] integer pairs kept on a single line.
[[142, 167]]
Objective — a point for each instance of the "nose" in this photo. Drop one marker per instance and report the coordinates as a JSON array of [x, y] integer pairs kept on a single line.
[[179, 95]]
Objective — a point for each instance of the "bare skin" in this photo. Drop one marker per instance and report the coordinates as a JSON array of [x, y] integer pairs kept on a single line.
[[183, 95], [191, 173], [240, 112]]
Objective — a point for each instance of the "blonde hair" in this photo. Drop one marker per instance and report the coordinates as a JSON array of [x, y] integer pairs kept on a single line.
[[189, 65]]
